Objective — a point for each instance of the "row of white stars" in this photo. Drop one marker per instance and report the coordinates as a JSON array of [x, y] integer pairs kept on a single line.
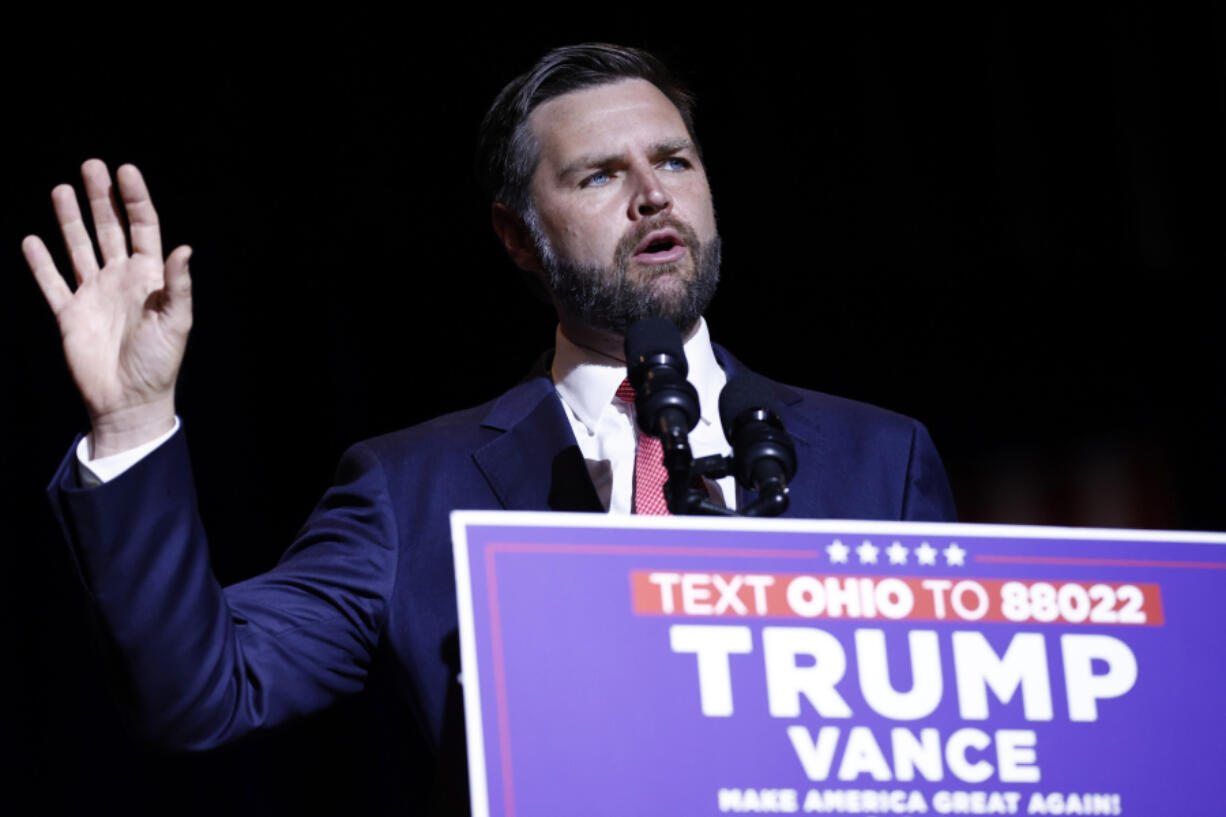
[[897, 552]]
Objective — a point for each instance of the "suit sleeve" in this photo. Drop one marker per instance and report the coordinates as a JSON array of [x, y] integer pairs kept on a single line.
[[199, 664], [927, 496]]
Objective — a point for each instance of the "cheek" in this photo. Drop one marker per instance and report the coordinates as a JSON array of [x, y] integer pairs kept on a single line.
[[703, 210], [708, 214], [585, 233]]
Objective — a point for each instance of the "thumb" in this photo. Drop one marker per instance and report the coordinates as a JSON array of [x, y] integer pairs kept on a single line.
[[178, 279]]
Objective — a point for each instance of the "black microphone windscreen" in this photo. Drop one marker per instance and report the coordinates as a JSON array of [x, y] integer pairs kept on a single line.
[[651, 337], [742, 393]]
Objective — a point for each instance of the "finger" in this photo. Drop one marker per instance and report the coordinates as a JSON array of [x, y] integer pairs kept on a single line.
[[55, 288], [76, 236], [105, 211], [142, 218], [178, 277]]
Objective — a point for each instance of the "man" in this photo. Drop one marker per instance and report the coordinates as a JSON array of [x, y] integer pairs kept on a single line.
[[599, 194]]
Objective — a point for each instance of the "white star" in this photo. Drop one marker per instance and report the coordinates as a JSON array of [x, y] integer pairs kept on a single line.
[[926, 554], [898, 554], [837, 551], [867, 553], [954, 555]]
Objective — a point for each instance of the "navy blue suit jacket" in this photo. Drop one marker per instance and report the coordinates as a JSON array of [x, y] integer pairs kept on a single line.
[[369, 579]]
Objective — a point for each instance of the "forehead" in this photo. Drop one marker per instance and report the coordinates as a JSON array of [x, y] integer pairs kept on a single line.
[[605, 119]]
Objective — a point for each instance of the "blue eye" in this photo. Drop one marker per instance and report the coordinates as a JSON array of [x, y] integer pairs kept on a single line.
[[676, 163], [597, 179]]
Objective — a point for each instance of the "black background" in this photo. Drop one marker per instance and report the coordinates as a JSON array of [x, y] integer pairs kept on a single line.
[[1005, 223]]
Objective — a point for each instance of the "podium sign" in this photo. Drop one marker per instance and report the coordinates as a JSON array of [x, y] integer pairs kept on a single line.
[[648, 666]]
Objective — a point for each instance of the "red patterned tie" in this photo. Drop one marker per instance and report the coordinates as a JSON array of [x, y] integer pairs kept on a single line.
[[649, 471]]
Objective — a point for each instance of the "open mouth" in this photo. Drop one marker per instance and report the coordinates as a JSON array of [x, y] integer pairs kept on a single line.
[[660, 247]]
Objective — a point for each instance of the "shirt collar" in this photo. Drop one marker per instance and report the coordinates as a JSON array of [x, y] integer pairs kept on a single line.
[[587, 381]]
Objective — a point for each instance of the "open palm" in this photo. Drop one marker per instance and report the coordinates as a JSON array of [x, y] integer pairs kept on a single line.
[[125, 327]]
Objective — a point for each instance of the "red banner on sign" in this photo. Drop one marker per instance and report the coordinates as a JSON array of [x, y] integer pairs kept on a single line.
[[792, 595]]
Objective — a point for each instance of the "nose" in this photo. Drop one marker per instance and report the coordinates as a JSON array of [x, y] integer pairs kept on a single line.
[[650, 196]]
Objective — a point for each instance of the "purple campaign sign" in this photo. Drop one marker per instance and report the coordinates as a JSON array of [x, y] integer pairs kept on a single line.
[[662, 666]]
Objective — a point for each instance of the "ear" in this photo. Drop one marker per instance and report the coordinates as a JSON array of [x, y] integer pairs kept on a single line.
[[515, 236]]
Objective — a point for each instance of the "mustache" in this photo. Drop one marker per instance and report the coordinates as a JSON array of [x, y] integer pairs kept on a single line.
[[634, 236]]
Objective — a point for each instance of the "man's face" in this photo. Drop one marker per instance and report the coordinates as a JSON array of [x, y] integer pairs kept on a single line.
[[623, 219]]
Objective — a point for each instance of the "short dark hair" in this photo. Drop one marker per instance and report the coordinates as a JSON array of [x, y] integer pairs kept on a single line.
[[506, 151]]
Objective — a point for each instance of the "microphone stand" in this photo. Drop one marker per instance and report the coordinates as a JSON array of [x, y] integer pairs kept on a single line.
[[686, 500], [666, 407]]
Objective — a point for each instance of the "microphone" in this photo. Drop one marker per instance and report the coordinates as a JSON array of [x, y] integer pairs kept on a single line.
[[764, 459], [665, 403]]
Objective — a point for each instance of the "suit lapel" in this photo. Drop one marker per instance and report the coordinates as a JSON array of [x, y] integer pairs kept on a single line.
[[805, 430], [534, 464]]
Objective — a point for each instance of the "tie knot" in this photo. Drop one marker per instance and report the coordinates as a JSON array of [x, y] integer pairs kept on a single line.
[[625, 392]]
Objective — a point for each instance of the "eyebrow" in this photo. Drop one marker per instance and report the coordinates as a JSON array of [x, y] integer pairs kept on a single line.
[[660, 150]]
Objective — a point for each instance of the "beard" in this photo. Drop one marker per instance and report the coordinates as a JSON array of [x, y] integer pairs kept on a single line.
[[614, 297]]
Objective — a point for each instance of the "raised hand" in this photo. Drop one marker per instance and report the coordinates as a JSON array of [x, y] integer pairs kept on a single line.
[[125, 327]]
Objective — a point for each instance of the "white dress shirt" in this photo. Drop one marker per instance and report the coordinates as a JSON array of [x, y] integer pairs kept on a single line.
[[604, 426], [104, 469]]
